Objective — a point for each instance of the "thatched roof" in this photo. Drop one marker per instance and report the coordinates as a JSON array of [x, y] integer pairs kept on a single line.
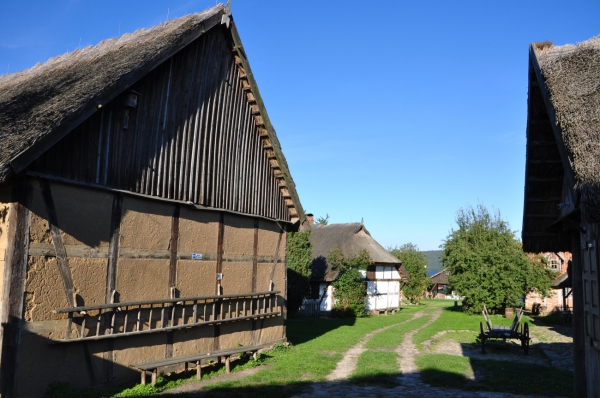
[[50, 99], [350, 238], [41, 105], [563, 141]]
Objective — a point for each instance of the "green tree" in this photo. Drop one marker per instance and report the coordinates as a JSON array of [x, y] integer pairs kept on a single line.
[[414, 262], [299, 261], [350, 290], [323, 220], [486, 261]]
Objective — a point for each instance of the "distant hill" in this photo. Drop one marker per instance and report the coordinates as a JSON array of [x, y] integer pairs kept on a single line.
[[434, 261]]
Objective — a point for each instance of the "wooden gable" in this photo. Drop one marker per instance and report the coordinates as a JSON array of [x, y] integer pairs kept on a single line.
[[190, 130]]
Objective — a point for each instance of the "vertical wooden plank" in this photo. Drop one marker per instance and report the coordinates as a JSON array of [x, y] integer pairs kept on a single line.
[[254, 276], [579, 370], [111, 284], [15, 270]]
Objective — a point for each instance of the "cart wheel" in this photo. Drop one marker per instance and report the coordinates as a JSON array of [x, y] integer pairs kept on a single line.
[[482, 337], [525, 337]]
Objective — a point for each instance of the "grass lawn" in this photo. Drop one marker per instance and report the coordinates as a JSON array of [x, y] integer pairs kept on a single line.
[[376, 367], [318, 344]]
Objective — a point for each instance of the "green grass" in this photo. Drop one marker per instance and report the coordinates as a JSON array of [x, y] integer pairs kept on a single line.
[[392, 337], [442, 370], [318, 344], [376, 367]]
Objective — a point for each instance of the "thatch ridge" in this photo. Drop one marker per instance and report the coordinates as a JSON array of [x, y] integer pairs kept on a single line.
[[572, 77], [39, 101], [350, 238]]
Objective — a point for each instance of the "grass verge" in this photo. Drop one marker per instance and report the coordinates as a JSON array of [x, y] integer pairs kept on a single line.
[[376, 367], [392, 337]]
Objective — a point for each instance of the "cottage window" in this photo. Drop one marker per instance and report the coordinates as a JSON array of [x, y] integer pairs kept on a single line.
[[554, 264]]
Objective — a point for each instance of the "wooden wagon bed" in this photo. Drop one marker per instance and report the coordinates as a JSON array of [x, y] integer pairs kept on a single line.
[[505, 332]]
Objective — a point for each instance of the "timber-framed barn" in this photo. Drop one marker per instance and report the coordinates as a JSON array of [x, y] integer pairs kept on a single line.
[[562, 184], [145, 205]]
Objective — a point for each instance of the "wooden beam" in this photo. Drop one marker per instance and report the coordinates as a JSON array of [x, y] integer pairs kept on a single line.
[[171, 292], [111, 282], [578, 323], [59, 248], [220, 236], [155, 198], [15, 273]]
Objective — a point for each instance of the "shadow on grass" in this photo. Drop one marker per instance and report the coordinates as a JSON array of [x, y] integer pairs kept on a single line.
[[301, 330]]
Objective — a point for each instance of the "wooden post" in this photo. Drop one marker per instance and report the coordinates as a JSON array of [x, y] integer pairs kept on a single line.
[[227, 367], [111, 283], [15, 270], [198, 370], [580, 387], [154, 374], [143, 377]]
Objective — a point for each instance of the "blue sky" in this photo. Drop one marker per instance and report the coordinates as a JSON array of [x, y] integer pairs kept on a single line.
[[395, 112]]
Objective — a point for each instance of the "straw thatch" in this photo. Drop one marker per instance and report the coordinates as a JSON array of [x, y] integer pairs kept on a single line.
[[562, 184], [49, 99], [572, 77], [350, 238]]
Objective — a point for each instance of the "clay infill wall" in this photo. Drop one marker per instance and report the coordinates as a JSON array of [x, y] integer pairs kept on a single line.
[[125, 248]]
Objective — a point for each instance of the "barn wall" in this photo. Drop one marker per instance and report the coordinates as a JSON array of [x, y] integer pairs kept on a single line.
[[192, 136], [84, 220]]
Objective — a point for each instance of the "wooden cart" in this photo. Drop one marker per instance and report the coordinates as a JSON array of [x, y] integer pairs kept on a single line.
[[490, 331]]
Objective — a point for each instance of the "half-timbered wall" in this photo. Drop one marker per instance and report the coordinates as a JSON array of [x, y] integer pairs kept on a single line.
[[186, 131], [127, 248]]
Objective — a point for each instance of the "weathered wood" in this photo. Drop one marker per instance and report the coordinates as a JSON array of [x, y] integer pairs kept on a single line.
[[111, 281], [47, 250], [173, 248], [61, 254], [216, 322], [579, 371], [271, 284], [15, 269]]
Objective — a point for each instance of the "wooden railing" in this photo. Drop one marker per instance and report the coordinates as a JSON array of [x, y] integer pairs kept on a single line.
[[106, 321]]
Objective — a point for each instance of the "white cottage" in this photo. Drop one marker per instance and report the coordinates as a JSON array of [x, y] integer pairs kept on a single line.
[[383, 278]]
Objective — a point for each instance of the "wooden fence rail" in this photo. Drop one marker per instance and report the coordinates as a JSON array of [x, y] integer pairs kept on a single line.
[[106, 321]]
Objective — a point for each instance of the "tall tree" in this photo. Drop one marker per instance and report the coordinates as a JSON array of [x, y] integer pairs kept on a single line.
[[299, 261], [414, 262], [486, 261]]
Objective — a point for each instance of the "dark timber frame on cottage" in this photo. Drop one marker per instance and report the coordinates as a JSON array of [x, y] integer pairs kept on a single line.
[[144, 207], [562, 184]]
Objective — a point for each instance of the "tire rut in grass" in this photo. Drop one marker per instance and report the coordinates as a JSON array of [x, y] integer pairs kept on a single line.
[[408, 352], [347, 364]]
